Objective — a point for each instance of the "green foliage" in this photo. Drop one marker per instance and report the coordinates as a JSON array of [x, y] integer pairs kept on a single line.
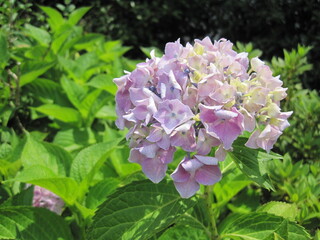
[[128, 215], [302, 139], [252, 162], [32, 223], [260, 226]]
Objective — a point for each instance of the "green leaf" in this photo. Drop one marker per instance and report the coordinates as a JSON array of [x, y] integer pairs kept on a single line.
[[74, 91], [99, 192], [77, 14], [32, 70], [138, 211], [91, 105], [89, 160], [183, 232], [45, 154], [47, 91], [55, 18], [231, 184], [74, 139], [261, 226], [42, 36], [253, 162], [77, 69], [64, 114], [282, 209], [32, 224], [4, 56], [88, 41], [64, 187], [24, 198], [104, 81]]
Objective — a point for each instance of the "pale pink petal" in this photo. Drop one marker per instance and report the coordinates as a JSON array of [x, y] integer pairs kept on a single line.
[[206, 160], [188, 188], [154, 170], [208, 175]]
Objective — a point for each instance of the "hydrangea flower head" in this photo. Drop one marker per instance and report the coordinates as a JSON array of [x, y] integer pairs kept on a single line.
[[197, 97]]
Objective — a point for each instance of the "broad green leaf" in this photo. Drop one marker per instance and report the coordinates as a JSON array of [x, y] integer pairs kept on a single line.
[[282, 209], [77, 14], [99, 192], [183, 232], [253, 162], [64, 187], [261, 226], [32, 70], [138, 211], [55, 18], [64, 114], [32, 224], [104, 81], [42, 36], [89, 160], [45, 154]]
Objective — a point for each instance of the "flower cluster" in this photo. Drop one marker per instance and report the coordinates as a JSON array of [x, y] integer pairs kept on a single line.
[[197, 97], [46, 199]]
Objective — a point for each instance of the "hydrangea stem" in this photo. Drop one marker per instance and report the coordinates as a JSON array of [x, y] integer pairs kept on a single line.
[[209, 201]]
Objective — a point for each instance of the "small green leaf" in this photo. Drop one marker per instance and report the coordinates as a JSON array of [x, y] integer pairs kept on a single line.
[[253, 162], [42, 36], [55, 18], [77, 14], [138, 211], [282, 209], [32, 224], [261, 226], [64, 114]]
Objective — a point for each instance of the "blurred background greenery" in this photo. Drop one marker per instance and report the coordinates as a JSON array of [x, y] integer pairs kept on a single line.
[[57, 66]]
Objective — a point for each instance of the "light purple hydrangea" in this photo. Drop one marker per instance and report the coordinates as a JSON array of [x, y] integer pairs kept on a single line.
[[197, 97], [46, 199]]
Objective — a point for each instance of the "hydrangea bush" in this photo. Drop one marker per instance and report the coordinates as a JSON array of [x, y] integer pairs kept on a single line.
[[197, 97]]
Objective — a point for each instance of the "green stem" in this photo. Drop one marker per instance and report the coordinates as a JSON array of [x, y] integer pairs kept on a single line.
[[209, 201]]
